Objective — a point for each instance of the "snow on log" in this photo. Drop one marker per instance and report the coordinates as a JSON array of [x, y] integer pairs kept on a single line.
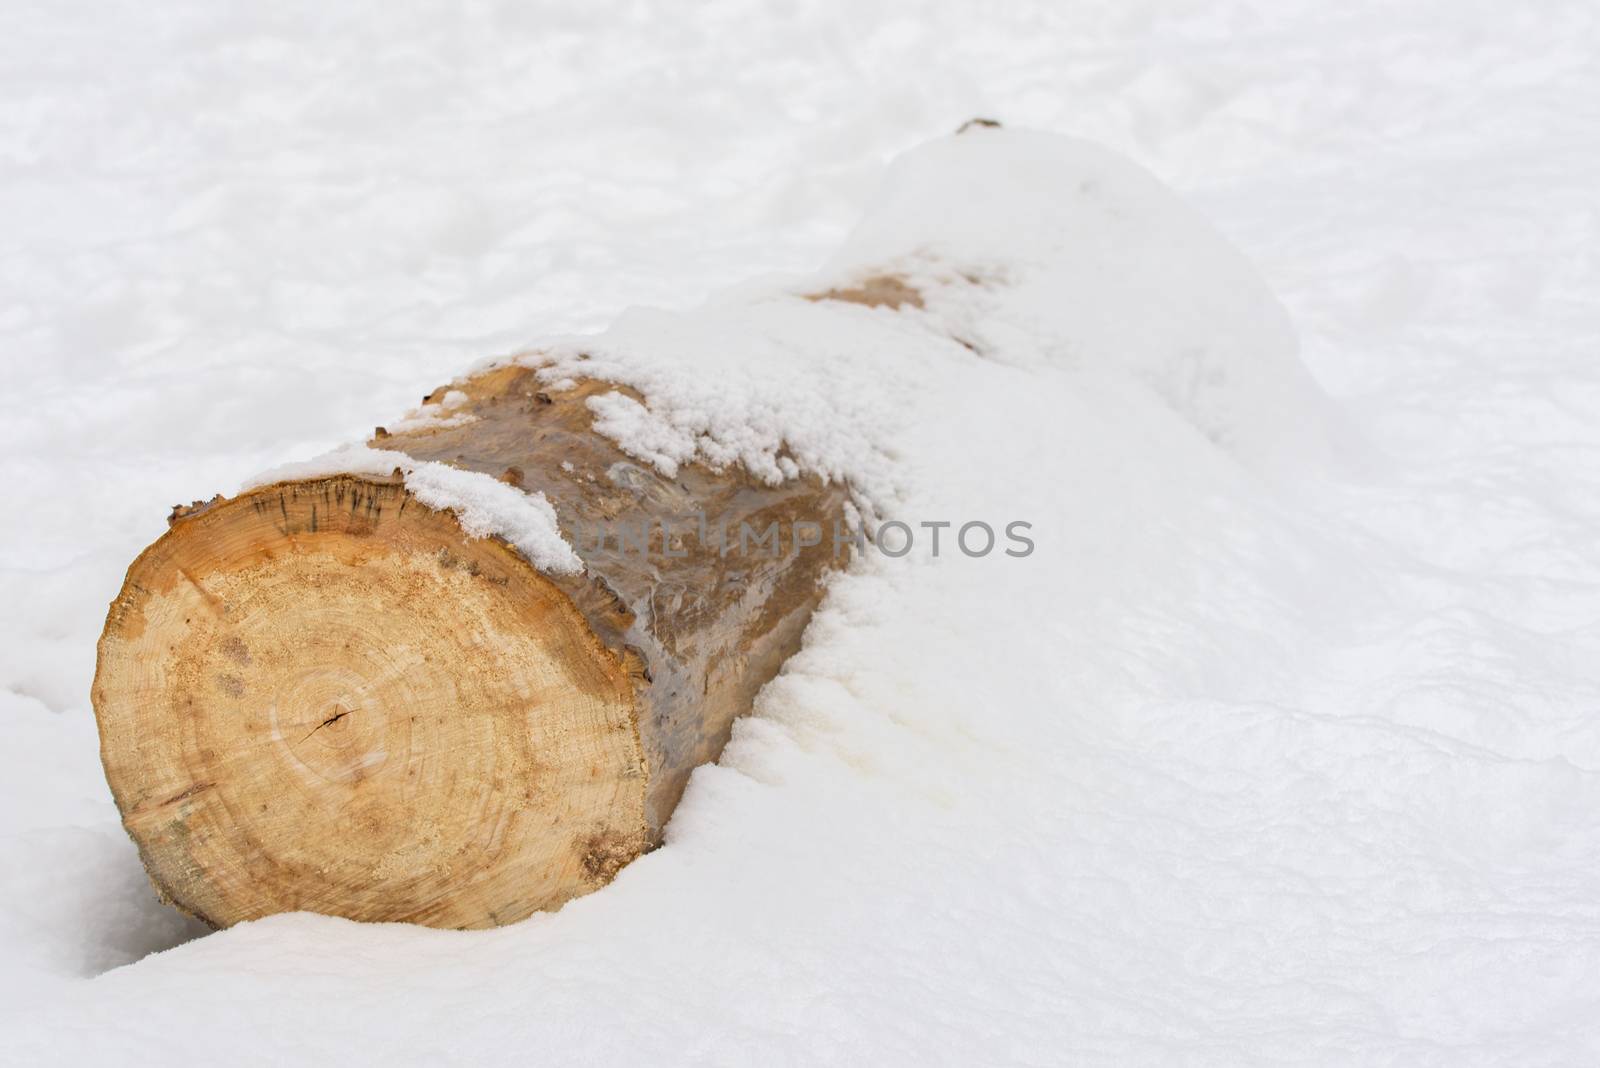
[[462, 673]]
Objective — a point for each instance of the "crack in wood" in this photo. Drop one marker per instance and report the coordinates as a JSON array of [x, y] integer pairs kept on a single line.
[[335, 718]]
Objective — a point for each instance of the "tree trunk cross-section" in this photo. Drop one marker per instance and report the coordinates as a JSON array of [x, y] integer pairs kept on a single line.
[[323, 695]]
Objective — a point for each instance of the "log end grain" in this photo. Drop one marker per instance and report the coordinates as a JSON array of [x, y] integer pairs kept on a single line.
[[322, 695]]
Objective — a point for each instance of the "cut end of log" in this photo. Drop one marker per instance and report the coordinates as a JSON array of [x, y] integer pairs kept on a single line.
[[286, 723]]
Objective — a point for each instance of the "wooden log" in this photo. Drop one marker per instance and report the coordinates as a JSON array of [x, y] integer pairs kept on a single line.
[[328, 694], [322, 694]]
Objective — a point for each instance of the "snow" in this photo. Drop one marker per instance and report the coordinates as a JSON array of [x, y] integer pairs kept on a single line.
[[1282, 744], [485, 507], [432, 416], [1028, 249]]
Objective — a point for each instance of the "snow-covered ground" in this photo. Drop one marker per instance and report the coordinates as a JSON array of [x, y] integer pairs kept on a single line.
[[1263, 756]]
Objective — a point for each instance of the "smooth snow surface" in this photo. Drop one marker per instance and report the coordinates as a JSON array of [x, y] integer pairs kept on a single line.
[[1284, 744], [1029, 250]]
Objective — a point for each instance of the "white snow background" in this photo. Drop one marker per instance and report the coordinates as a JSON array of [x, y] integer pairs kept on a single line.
[[1283, 747]]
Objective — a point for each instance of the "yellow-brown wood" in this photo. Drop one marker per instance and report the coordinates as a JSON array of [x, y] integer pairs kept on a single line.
[[320, 695], [324, 695]]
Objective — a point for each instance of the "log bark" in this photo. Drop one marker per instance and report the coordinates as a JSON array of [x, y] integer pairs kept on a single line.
[[322, 694]]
